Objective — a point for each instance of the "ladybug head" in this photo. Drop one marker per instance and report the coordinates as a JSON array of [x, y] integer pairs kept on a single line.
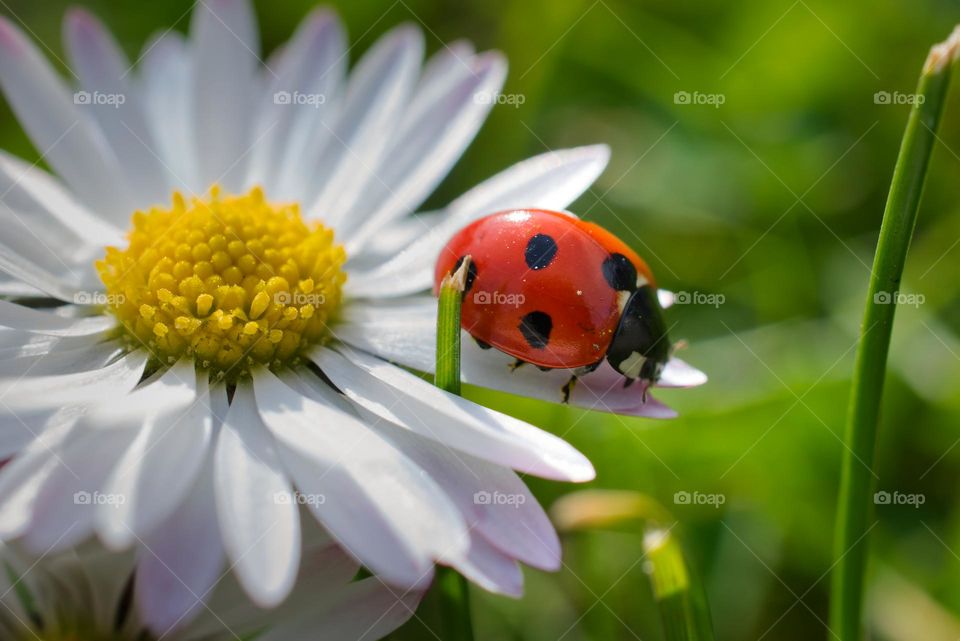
[[640, 348]]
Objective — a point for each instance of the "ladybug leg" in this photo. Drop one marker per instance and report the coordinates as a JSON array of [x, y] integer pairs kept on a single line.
[[516, 364], [577, 373], [567, 388]]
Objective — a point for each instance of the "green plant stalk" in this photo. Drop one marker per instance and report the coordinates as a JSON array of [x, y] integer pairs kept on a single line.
[[678, 592], [456, 621], [677, 589], [447, 376], [854, 508]]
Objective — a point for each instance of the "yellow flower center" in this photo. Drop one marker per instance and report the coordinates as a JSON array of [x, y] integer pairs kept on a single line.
[[229, 280]]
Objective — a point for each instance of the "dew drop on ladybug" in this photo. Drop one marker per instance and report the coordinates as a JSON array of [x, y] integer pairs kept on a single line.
[[560, 293]]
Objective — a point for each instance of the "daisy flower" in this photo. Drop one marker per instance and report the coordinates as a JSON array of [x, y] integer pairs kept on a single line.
[[86, 595], [211, 296]]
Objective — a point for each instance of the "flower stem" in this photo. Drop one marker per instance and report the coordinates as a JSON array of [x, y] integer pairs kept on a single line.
[[453, 589], [448, 329], [854, 509]]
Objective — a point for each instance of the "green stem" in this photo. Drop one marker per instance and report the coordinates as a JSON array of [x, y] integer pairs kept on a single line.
[[854, 509], [455, 621], [677, 589], [448, 329], [679, 594], [453, 589]]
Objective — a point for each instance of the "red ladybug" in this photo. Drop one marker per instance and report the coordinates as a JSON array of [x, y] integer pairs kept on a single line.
[[560, 293]]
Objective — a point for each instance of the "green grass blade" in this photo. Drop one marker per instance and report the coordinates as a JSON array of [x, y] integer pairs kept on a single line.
[[453, 589], [856, 484]]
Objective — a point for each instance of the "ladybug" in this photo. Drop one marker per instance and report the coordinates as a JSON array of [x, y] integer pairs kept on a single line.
[[560, 293]]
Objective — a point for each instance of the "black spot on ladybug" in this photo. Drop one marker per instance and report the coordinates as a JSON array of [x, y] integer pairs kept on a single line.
[[471, 273], [540, 251], [536, 327], [620, 273]]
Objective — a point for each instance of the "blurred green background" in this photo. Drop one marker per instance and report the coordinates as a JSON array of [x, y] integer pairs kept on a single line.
[[771, 201]]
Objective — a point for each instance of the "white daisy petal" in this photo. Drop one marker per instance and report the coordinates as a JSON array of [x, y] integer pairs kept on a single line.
[[61, 361], [65, 506], [71, 143], [21, 478], [405, 332], [258, 516], [27, 271], [378, 90], [445, 67], [437, 128], [104, 71], [549, 181], [376, 502], [394, 238], [27, 188], [167, 89], [173, 418], [325, 569], [496, 503], [31, 320], [666, 298], [224, 33], [297, 109], [15, 289], [45, 246], [174, 579], [491, 569], [366, 609], [679, 373], [409, 401], [55, 391]]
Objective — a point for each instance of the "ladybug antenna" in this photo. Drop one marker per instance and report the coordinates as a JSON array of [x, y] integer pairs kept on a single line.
[[679, 346]]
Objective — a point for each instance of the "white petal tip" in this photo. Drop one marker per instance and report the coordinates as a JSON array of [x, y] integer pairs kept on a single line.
[[679, 373], [11, 39]]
